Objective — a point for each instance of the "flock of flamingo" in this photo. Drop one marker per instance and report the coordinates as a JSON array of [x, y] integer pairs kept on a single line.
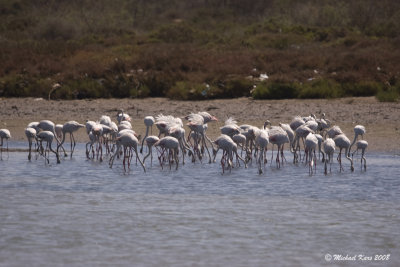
[[304, 135]]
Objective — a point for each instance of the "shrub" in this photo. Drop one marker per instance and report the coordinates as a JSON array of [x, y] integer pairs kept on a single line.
[[391, 94], [321, 88], [367, 88], [275, 90], [187, 91]]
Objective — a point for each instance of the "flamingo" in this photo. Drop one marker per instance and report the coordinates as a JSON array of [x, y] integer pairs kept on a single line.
[[358, 130], [89, 125], [150, 141], [261, 142], [179, 133], [30, 133], [277, 136], [48, 137], [310, 146], [230, 128], [334, 131], [148, 122], [228, 147], [343, 142], [171, 145], [97, 131], [128, 141], [296, 122], [362, 144], [47, 125], [197, 125], [240, 140], [301, 132], [4, 134], [70, 127], [329, 148], [121, 116], [58, 130]]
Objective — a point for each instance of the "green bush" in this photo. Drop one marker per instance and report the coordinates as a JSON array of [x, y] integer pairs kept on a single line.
[[18, 85], [80, 89], [389, 95], [187, 91], [321, 88], [367, 88], [275, 90]]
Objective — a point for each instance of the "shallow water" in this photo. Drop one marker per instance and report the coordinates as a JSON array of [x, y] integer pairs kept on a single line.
[[82, 213]]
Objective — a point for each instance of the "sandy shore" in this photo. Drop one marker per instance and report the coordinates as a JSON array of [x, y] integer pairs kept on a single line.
[[382, 120]]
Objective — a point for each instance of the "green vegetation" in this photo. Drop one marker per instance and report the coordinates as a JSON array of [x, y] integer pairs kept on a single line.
[[200, 49]]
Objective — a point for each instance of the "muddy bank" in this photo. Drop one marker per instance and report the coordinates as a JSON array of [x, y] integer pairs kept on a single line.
[[382, 120]]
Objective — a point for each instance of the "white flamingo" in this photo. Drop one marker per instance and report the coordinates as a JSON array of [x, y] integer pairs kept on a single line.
[[128, 141], [310, 146], [58, 130], [278, 136], [342, 142], [4, 134], [30, 134], [333, 131], [301, 133], [170, 145], [358, 130], [229, 148], [329, 148], [261, 142], [121, 116], [70, 127], [150, 141], [296, 123], [47, 136], [148, 122], [240, 140], [47, 125], [230, 128], [362, 144]]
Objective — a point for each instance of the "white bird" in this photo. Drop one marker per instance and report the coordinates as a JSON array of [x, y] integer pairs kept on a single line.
[[277, 136], [296, 122], [261, 142], [230, 128], [4, 134], [150, 141], [229, 148], [121, 116], [240, 140], [334, 131], [58, 130], [148, 122], [362, 144], [30, 133], [170, 145], [47, 125], [358, 130], [329, 148], [70, 127], [48, 137], [342, 142], [129, 142], [310, 146]]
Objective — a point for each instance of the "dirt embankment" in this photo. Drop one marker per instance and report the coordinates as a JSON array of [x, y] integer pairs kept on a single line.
[[382, 120]]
